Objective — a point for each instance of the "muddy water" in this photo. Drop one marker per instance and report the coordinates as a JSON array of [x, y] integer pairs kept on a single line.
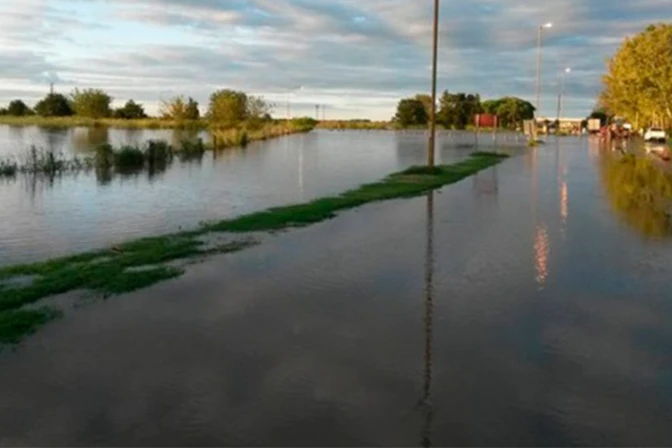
[[42, 217], [524, 306]]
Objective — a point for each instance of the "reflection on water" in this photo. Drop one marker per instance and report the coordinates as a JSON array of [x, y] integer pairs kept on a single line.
[[639, 191], [541, 252], [96, 208]]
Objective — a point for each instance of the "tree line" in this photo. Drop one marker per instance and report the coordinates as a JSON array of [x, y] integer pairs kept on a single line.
[[457, 110], [226, 108], [638, 82]]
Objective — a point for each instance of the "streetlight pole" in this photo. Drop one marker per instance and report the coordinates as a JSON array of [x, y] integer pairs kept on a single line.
[[435, 59], [539, 43], [563, 80]]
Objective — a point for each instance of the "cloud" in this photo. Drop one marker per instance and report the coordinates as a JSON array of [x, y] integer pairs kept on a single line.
[[356, 56]]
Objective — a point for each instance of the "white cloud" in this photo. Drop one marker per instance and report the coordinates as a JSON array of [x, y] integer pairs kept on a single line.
[[374, 50]]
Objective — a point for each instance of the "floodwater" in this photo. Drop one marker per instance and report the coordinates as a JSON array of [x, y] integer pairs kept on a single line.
[[529, 305], [42, 218]]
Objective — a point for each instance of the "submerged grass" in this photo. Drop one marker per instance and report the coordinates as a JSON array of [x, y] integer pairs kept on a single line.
[[142, 263], [17, 324], [411, 182]]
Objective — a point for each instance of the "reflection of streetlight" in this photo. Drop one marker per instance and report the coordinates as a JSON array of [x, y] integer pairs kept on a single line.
[[539, 41], [563, 80], [541, 252], [435, 57]]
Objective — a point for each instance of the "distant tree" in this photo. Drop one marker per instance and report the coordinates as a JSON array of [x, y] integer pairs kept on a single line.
[[54, 105], [638, 83], [192, 112], [3, 111], [513, 111], [411, 112], [510, 110], [130, 111], [91, 103], [174, 109], [427, 102], [458, 110], [18, 108], [228, 108]]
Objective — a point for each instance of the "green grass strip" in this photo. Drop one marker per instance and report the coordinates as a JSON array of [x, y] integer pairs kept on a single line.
[[15, 325], [142, 263], [411, 182]]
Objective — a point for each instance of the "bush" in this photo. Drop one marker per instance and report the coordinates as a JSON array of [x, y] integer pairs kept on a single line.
[[129, 158], [8, 168], [158, 153]]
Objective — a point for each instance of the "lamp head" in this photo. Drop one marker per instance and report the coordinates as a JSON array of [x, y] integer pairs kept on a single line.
[[547, 25]]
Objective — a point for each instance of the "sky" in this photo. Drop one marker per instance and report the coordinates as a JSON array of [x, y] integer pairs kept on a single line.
[[357, 58]]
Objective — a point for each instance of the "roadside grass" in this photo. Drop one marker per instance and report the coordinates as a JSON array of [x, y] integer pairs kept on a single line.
[[142, 263]]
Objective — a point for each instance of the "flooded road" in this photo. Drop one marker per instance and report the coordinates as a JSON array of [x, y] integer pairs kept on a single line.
[[524, 306], [42, 217]]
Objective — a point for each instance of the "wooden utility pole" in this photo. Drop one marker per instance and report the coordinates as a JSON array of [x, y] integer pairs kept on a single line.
[[435, 59]]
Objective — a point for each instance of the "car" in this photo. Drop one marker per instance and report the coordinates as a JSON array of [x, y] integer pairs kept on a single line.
[[655, 135]]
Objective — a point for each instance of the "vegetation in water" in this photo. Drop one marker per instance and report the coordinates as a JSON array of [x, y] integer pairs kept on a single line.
[[142, 263]]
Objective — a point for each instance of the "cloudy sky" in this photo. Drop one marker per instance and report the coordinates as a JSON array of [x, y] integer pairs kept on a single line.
[[357, 57]]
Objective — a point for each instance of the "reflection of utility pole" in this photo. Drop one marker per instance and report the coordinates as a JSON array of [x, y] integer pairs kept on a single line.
[[425, 402], [435, 57]]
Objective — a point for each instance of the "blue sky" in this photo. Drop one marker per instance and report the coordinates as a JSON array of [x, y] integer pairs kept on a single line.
[[357, 57]]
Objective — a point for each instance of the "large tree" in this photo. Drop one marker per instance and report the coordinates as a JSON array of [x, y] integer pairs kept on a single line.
[[18, 108], [54, 105], [228, 108], [91, 103], [638, 83], [458, 110], [411, 112], [180, 108]]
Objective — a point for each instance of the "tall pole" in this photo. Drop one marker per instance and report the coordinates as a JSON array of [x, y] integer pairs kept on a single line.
[[435, 59], [539, 39], [289, 113]]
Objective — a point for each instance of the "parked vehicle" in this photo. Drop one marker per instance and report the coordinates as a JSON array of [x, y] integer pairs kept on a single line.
[[594, 125], [655, 135]]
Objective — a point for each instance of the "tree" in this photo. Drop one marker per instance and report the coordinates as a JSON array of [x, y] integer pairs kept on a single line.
[[411, 112], [638, 83], [228, 108], [427, 102], [130, 111], [174, 109], [54, 105], [458, 110], [3, 111], [18, 108], [511, 111], [91, 103], [192, 112]]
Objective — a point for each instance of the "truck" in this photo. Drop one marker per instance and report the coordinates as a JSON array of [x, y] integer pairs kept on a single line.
[[594, 125]]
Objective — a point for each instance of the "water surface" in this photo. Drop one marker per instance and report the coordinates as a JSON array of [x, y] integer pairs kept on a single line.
[[519, 307], [43, 217]]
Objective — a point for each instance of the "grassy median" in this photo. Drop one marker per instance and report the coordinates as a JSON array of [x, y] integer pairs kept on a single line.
[[139, 264]]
